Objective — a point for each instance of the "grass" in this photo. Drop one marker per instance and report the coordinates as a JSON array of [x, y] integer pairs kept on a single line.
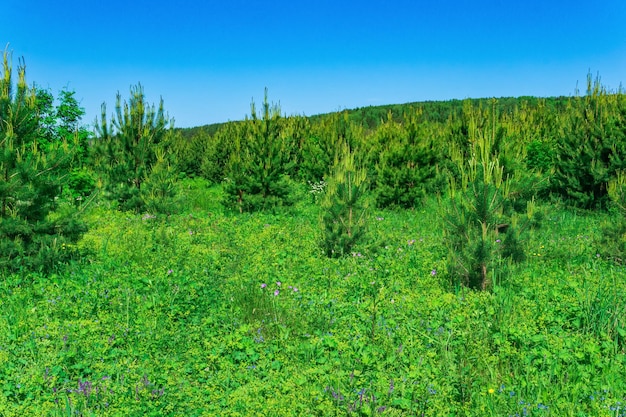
[[169, 316]]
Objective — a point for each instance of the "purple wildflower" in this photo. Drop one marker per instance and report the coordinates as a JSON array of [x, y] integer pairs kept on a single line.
[[263, 285], [276, 293], [433, 272]]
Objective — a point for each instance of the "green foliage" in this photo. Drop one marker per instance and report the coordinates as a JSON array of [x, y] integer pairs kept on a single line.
[[593, 147], [540, 156], [257, 172], [206, 312], [183, 325], [190, 152], [127, 150], [480, 229], [31, 178], [613, 242], [319, 151], [407, 171], [344, 207], [159, 188], [216, 151]]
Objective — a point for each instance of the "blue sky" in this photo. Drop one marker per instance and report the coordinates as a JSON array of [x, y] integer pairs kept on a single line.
[[209, 59]]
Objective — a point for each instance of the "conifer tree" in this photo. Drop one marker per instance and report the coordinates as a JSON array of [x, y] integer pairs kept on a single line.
[[408, 167], [128, 147], [344, 207], [481, 229], [592, 147], [327, 137], [216, 150], [259, 163], [31, 181]]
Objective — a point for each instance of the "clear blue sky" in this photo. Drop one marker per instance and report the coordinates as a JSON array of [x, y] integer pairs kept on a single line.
[[209, 59]]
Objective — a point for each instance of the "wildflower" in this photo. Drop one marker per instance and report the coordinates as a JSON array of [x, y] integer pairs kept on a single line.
[[278, 283], [263, 285], [276, 293], [295, 289], [380, 218], [411, 242], [491, 390], [169, 272], [433, 272], [498, 241]]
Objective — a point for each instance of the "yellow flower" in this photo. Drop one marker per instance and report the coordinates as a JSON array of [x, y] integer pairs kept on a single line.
[[491, 390]]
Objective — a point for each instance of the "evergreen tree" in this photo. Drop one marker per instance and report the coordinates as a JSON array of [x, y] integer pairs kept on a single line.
[[128, 148], [216, 150], [481, 229], [32, 175], [259, 164], [408, 167], [592, 148], [344, 207], [328, 136]]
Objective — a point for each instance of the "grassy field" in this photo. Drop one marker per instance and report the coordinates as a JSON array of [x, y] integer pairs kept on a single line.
[[213, 313]]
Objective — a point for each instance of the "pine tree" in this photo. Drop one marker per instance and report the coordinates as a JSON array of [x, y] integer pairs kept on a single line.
[[30, 238], [408, 167], [481, 229], [344, 207], [259, 163], [319, 151], [592, 148], [127, 148]]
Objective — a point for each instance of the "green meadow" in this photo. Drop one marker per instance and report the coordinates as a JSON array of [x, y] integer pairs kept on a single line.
[[210, 313], [429, 259]]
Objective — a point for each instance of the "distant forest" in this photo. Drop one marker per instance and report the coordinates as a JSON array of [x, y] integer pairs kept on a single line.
[[434, 111]]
